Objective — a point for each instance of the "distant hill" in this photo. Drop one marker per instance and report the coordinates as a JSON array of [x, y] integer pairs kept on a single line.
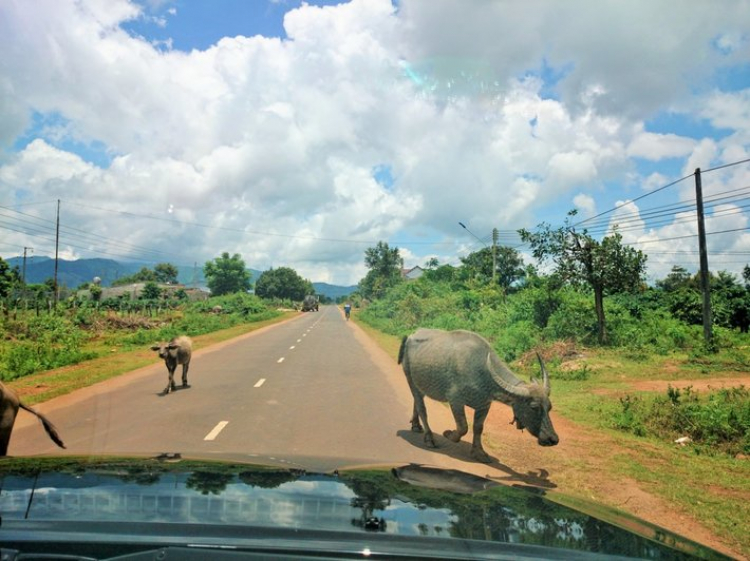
[[74, 273], [332, 291]]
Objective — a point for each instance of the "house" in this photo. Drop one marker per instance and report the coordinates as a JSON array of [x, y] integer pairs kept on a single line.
[[413, 273]]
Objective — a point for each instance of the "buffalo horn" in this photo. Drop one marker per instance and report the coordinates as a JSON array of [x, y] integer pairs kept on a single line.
[[519, 391], [545, 375]]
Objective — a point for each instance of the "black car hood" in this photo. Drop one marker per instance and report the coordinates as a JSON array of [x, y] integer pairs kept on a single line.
[[408, 501]]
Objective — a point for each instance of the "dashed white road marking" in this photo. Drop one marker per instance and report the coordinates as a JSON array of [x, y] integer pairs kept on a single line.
[[259, 383], [280, 360], [299, 340], [216, 430], [291, 348]]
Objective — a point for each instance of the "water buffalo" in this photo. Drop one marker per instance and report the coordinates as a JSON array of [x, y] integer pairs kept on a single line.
[[461, 368], [9, 404], [177, 351]]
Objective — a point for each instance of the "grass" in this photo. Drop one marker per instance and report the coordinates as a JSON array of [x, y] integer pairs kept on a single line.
[[118, 360]]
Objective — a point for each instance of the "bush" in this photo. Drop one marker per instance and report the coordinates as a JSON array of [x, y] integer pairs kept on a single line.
[[719, 421]]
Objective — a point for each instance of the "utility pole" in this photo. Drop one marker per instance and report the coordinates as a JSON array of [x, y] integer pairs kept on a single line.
[[705, 284], [57, 245], [23, 274], [495, 236]]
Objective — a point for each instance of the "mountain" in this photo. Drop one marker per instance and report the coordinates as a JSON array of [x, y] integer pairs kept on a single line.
[[332, 291], [74, 273]]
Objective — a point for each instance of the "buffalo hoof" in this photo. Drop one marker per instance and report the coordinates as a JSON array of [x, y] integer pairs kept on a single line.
[[416, 427], [185, 385], [429, 440], [481, 456], [452, 435]]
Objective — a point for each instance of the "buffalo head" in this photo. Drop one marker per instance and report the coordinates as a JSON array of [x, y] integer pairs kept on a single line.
[[530, 402]]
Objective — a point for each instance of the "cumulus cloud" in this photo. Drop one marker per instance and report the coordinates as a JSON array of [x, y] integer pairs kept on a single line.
[[656, 147], [266, 147]]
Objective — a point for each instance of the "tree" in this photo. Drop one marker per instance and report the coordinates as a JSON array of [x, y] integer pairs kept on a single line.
[[509, 266], [151, 291], [283, 283], [677, 279], [166, 273], [385, 266], [607, 266], [225, 275], [144, 275], [8, 278]]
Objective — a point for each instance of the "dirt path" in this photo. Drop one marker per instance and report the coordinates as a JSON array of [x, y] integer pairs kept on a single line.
[[581, 468], [697, 384]]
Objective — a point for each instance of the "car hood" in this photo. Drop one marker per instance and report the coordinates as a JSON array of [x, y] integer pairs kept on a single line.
[[68, 495]]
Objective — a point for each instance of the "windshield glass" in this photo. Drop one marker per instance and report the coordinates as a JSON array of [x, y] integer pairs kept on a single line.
[[501, 238]]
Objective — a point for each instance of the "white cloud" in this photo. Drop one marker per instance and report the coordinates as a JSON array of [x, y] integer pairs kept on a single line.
[[656, 147], [586, 203], [273, 142]]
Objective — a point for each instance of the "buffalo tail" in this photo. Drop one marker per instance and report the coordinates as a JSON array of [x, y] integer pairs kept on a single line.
[[48, 426], [401, 350]]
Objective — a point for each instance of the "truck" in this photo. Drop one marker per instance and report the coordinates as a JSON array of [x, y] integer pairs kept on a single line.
[[310, 303]]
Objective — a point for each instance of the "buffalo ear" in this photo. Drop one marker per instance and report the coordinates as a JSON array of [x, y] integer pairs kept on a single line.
[[155, 347], [170, 347]]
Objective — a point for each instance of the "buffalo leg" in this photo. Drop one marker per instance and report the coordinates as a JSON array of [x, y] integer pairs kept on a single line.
[[416, 426], [170, 382], [477, 451], [462, 427], [184, 374], [422, 410]]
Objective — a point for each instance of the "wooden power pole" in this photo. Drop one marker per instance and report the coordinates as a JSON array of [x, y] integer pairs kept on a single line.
[[705, 282]]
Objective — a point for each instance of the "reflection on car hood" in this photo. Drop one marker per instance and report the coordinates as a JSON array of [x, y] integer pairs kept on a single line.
[[409, 500]]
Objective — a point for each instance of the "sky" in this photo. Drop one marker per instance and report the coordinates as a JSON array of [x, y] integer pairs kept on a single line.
[[299, 134]]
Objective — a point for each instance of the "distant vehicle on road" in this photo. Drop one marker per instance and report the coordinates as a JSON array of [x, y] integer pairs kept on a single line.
[[310, 303]]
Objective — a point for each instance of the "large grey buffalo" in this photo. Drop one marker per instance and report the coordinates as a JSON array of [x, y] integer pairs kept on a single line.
[[177, 351], [9, 405], [461, 368]]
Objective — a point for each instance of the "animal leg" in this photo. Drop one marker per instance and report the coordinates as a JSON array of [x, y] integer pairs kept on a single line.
[[477, 451], [462, 427], [416, 426], [422, 410], [170, 382], [184, 374]]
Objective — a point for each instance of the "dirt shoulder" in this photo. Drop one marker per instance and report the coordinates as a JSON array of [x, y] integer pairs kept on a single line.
[[581, 466]]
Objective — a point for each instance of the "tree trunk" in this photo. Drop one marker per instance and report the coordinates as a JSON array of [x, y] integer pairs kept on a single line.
[[599, 305]]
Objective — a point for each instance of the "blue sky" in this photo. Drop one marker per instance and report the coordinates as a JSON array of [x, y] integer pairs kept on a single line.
[[299, 134]]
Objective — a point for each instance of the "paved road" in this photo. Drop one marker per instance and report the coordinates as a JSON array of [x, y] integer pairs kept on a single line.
[[310, 388]]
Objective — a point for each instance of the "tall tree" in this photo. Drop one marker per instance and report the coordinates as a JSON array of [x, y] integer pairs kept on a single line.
[[385, 264], [607, 266], [509, 266], [225, 275], [166, 273], [8, 278], [282, 282]]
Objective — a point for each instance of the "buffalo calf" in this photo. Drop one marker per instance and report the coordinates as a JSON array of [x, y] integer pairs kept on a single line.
[[177, 351]]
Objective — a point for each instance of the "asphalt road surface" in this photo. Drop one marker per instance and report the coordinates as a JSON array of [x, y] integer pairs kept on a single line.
[[314, 391]]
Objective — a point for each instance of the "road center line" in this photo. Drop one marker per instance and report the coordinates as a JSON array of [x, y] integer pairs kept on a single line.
[[259, 383], [280, 360], [216, 430], [299, 340], [292, 347]]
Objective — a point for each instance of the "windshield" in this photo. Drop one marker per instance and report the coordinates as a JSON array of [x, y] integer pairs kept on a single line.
[[501, 238]]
